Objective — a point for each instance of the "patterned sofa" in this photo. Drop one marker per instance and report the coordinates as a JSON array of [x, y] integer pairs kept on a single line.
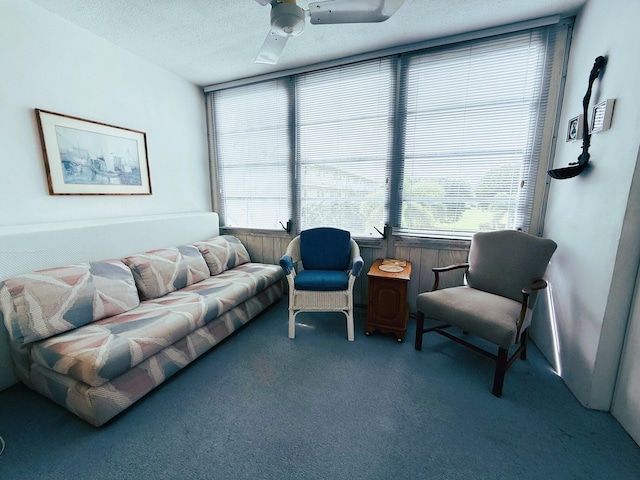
[[96, 337]]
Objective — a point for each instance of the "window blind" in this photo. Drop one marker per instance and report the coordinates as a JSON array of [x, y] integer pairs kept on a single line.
[[253, 154], [474, 118], [344, 122], [439, 142]]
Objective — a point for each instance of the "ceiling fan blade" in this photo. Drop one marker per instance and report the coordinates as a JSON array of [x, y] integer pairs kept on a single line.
[[271, 48], [264, 3], [352, 11]]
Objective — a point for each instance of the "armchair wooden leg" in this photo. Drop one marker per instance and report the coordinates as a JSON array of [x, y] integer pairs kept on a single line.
[[501, 369], [419, 330], [524, 341]]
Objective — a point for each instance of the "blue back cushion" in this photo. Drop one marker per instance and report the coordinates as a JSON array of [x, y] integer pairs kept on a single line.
[[325, 249]]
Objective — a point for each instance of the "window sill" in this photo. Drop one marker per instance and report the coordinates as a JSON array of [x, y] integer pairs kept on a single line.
[[432, 243], [255, 232]]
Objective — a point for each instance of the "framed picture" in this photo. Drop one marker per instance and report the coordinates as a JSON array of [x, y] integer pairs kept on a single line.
[[83, 157], [601, 116], [575, 129]]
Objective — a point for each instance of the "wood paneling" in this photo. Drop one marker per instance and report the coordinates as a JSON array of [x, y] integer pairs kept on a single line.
[[269, 249], [264, 248]]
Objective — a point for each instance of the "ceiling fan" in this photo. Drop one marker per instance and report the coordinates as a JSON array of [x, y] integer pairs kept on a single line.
[[288, 19]]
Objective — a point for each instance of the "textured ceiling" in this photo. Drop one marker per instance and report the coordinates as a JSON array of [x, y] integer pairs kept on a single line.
[[213, 41]]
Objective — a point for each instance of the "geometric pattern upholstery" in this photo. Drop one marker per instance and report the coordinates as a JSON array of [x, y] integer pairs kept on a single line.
[[104, 350], [47, 302], [99, 404], [162, 271], [82, 337], [223, 253]]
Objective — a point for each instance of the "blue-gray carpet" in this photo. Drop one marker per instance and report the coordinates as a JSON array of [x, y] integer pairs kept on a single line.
[[261, 406]]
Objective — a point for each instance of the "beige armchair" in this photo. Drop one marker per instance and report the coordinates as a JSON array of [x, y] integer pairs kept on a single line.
[[503, 274]]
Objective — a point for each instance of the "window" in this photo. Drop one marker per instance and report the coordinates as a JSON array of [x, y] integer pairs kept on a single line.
[[253, 151], [474, 116], [344, 135], [439, 142]]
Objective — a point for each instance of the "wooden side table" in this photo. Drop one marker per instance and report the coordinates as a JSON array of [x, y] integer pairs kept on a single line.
[[388, 309]]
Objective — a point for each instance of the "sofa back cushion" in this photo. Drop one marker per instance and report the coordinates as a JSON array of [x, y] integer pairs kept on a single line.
[[162, 271], [47, 302], [223, 253]]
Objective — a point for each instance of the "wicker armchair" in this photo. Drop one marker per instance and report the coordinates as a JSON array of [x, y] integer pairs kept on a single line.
[[321, 266]]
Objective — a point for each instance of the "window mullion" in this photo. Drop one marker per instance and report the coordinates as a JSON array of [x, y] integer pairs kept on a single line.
[[293, 155], [396, 160]]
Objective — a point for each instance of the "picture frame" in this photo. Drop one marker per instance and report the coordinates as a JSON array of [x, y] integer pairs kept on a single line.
[[601, 116], [575, 128], [85, 157]]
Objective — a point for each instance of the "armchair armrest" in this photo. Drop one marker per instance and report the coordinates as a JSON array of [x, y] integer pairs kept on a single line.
[[538, 284], [455, 266], [438, 270], [357, 265], [286, 262]]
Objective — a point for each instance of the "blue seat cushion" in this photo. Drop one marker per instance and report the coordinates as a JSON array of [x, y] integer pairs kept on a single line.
[[322, 280], [325, 248]]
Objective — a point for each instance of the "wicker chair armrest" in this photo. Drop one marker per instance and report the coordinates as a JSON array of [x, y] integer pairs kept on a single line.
[[286, 262], [293, 249], [357, 265]]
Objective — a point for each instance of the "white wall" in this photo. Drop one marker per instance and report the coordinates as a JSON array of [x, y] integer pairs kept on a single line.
[[48, 63], [626, 401], [593, 217]]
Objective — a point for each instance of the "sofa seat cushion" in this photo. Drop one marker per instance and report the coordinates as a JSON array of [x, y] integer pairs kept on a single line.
[[232, 287], [48, 302], [105, 349], [101, 351], [165, 270], [99, 404]]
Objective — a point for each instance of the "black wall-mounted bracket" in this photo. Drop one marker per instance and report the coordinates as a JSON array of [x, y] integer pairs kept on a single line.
[[575, 168], [289, 226]]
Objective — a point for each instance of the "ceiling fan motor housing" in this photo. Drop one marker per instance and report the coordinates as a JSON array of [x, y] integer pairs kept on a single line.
[[287, 19]]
